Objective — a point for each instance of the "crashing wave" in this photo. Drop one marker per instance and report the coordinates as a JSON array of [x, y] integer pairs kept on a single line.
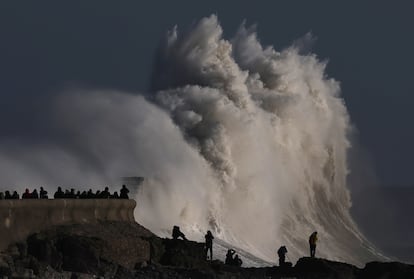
[[273, 128]]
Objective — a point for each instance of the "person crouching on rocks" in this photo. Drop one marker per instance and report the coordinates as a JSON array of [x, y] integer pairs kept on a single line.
[[237, 261], [176, 233], [229, 257], [209, 244]]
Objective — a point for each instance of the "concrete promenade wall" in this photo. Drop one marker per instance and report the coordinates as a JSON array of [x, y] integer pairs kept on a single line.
[[20, 218]]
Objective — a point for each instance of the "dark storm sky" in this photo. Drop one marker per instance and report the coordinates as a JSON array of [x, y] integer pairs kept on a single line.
[[47, 45]]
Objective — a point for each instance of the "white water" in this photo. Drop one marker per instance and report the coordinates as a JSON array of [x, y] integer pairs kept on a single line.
[[273, 130], [243, 140]]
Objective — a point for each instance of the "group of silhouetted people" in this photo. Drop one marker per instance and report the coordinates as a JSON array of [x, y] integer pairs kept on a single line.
[[67, 194], [7, 196], [313, 238], [105, 194], [233, 259], [42, 194]]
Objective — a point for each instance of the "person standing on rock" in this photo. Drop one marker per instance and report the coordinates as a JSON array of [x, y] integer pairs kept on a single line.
[[313, 238], [282, 255], [209, 244]]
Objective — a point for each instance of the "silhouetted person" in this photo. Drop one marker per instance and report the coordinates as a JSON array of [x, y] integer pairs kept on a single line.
[[26, 194], [209, 244], [72, 194], [229, 257], [282, 255], [176, 233], [115, 195], [313, 238], [15, 196], [67, 194], [83, 195], [34, 194], [124, 192], [7, 195], [78, 194], [90, 194], [1, 196], [237, 261], [43, 193], [59, 194], [105, 193]]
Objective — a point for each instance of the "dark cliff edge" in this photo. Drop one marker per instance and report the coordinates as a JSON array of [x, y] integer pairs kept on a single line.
[[119, 249]]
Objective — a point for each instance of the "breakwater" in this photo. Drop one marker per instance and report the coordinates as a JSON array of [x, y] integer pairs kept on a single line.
[[20, 218]]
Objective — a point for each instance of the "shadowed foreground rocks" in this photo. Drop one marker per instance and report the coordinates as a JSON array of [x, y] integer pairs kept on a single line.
[[127, 250]]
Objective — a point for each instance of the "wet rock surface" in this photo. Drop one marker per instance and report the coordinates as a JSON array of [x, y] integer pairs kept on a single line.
[[127, 250]]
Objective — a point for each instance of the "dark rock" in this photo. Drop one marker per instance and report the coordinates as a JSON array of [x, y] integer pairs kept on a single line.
[[183, 253], [13, 250], [157, 249], [127, 250], [5, 269], [387, 271], [123, 273], [28, 262], [42, 246], [53, 274], [79, 253], [321, 268], [82, 248], [22, 248]]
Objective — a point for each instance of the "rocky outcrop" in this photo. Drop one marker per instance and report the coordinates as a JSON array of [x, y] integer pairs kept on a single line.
[[104, 248], [320, 268], [20, 218], [187, 254], [387, 270], [311, 268], [113, 249]]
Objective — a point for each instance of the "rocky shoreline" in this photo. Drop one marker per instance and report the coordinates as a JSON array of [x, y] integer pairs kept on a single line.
[[113, 249]]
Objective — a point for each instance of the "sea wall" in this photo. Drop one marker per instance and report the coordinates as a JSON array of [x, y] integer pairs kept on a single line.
[[20, 218]]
